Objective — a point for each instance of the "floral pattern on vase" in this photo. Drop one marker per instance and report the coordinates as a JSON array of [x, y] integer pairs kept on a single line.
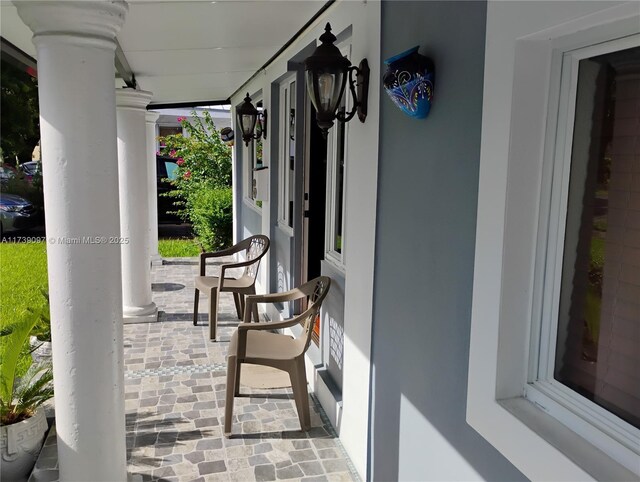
[[409, 82]]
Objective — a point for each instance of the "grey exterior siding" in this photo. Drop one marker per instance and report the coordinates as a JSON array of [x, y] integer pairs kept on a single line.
[[425, 236], [333, 327], [251, 221], [282, 271]]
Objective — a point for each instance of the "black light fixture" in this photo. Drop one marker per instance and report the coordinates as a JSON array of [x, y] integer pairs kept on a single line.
[[326, 72], [248, 117]]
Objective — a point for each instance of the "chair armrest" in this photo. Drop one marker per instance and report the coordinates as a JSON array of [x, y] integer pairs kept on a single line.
[[216, 254], [252, 300], [239, 264], [271, 325], [291, 295]]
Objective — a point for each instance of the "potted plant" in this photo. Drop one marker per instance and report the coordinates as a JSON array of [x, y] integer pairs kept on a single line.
[[22, 417]]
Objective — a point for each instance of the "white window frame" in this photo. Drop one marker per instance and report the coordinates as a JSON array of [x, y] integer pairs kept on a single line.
[[612, 435], [284, 173], [158, 126], [331, 255], [502, 404]]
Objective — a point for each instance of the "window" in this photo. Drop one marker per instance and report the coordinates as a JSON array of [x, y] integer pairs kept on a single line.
[[335, 190], [164, 131], [336, 157], [287, 151], [550, 229], [589, 330], [254, 161]]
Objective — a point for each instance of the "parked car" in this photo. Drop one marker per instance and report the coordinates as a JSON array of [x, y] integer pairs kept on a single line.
[[16, 213], [6, 174], [30, 169], [167, 168]]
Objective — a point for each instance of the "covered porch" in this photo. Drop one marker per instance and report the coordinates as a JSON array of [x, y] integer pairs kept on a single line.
[[129, 368], [174, 401]]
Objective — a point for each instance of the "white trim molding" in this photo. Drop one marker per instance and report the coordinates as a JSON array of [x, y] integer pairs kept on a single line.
[[523, 57]]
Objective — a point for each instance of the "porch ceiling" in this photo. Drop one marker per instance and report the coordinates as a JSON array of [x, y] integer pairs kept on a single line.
[[189, 51]]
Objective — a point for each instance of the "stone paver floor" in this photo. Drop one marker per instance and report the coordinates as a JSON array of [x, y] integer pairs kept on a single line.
[[174, 395]]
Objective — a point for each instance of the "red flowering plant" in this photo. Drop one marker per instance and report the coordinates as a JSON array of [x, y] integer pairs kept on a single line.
[[202, 194]]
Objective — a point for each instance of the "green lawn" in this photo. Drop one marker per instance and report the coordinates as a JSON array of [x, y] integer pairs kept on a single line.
[[178, 248], [23, 273], [23, 276]]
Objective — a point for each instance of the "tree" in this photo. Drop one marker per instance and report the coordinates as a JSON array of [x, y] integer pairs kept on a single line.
[[203, 181], [19, 119]]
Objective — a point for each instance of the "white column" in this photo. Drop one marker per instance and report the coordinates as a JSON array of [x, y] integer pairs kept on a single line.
[[134, 206], [75, 51], [152, 173]]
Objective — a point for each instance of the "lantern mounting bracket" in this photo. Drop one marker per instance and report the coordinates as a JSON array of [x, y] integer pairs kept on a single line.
[[359, 88]]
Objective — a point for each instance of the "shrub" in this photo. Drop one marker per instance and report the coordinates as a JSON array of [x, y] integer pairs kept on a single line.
[[202, 192], [211, 214]]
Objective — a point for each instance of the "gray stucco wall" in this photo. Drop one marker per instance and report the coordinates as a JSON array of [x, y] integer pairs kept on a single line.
[[249, 220], [333, 327], [425, 236]]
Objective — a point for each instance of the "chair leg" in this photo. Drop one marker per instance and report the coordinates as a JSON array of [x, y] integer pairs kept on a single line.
[[299, 384], [195, 307], [232, 367], [242, 305], [236, 389], [213, 314], [236, 299], [254, 312]]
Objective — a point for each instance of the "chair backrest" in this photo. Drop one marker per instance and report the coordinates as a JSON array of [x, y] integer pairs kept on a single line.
[[316, 291], [255, 248]]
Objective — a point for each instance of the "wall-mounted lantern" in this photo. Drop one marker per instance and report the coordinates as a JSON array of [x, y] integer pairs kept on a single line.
[[326, 77], [248, 117]]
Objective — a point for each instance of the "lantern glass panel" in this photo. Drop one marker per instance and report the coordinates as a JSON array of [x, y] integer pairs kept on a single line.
[[248, 123], [327, 92]]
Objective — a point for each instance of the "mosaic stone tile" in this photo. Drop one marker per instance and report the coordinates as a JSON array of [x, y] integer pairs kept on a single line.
[[212, 467], [302, 455], [328, 454], [175, 389], [315, 478], [311, 468], [258, 459], [335, 465], [265, 472]]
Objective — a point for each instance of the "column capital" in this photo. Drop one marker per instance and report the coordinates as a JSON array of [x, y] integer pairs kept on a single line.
[[132, 99], [84, 23], [151, 117]]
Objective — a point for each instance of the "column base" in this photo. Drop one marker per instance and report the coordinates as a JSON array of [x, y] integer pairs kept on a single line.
[[144, 314], [156, 260]]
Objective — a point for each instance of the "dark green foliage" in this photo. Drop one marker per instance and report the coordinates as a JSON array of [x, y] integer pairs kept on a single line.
[[211, 214], [203, 193], [20, 397], [19, 122], [42, 329]]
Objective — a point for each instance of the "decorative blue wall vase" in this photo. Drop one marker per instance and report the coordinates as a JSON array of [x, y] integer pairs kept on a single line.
[[409, 82]]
